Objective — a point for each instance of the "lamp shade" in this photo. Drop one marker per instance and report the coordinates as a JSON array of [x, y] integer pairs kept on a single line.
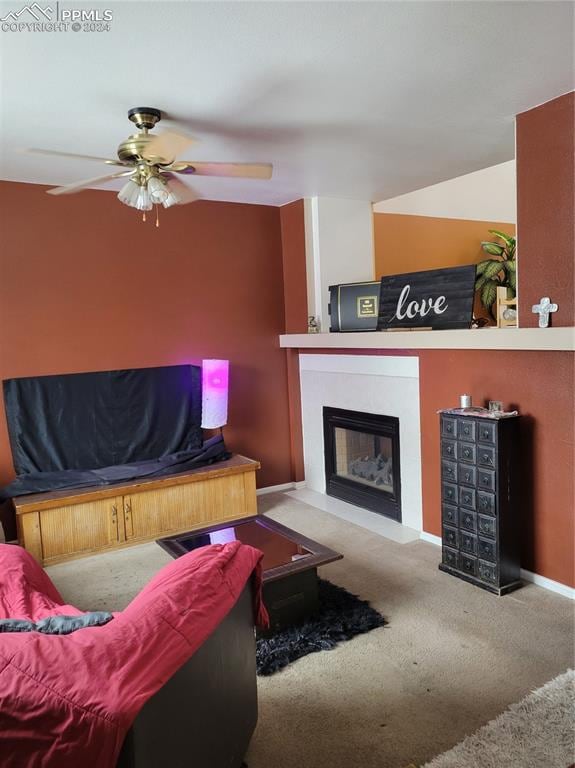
[[171, 198], [215, 377], [129, 192], [157, 190]]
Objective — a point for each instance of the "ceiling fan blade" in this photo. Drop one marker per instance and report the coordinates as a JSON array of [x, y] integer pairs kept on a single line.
[[55, 153], [182, 191], [78, 186], [232, 170], [166, 147]]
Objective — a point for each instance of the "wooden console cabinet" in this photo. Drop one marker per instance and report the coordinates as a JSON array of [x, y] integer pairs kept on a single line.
[[62, 525]]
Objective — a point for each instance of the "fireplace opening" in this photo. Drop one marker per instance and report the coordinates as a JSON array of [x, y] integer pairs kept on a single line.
[[362, 460]]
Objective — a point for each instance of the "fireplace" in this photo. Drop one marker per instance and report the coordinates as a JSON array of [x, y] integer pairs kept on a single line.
[[362, 460]]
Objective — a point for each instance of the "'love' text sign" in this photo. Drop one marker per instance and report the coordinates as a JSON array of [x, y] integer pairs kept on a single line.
[[436, 298]]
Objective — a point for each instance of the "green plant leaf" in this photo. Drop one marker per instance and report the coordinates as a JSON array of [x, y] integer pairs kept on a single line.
[[489, 294], [510, 266], [480, 282], [509, 240], [510, 292], [493, 269], [493, 248], [480, 268], [513, 281]]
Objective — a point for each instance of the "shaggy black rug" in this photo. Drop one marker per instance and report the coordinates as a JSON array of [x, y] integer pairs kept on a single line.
[[341, 616]]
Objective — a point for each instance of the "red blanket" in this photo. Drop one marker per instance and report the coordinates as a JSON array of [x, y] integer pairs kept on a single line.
[[68, 700]]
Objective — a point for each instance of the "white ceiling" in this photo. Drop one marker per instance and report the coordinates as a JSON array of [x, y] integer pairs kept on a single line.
[[364, 100]]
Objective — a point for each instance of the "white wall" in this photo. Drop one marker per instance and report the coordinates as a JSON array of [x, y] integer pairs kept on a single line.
[[339, 248], [486, 195]]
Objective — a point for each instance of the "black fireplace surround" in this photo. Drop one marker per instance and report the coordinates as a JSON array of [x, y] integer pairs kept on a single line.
[[368, 474]]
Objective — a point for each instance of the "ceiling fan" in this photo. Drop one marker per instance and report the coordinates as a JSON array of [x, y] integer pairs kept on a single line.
[[149, 160]]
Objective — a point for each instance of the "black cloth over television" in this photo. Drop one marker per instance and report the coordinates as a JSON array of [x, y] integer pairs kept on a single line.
[[95, 420], [77, 430]]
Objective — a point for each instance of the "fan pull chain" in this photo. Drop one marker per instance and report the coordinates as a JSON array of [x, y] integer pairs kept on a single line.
[[157, 215], [144, 216]]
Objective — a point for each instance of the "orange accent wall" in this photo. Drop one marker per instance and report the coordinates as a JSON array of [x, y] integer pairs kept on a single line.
[[87, 286], [294, 266], [296, 314], [545, 202], [405, 243]]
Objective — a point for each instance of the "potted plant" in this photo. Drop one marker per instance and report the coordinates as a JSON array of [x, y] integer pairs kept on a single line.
[[498, 271]]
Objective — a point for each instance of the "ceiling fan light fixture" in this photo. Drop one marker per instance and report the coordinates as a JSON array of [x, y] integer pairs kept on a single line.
[[157, 189], [171, 198], [135, 194], [143, 201], [129, 193]]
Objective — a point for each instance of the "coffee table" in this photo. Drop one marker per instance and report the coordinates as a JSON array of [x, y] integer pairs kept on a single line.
[[290, 562]]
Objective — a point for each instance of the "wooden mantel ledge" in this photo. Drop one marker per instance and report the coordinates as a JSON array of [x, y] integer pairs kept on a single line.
[[518, 339]]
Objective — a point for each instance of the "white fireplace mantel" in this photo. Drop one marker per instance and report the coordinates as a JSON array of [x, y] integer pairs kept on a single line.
[[518, 339], [380, 385]]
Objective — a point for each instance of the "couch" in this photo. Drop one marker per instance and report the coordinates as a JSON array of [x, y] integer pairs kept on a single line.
[[168, 681]]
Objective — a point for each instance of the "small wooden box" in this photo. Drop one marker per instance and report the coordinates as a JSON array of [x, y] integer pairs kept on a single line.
[[502, 304]]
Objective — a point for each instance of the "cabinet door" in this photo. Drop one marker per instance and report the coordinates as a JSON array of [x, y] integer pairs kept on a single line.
[[81, 528], [152, 513]]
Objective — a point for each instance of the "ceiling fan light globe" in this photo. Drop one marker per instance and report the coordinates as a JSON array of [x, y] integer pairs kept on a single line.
[[171, 198], [126, 194], [143, 202], [134, 195], [157, 190]]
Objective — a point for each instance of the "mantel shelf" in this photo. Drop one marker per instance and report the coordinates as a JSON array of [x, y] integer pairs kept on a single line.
[[518, 339]]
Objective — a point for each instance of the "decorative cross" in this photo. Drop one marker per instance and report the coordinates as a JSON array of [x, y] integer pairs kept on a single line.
[[543, 309]]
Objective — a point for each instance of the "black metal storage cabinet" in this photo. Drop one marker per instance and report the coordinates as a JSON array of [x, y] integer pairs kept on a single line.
[[479, 514]]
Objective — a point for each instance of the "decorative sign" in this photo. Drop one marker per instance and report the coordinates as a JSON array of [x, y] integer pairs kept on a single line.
[[354, 307], [436, 298]]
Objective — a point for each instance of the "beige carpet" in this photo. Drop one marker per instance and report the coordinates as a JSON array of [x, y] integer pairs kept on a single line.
[[452, 658], [537, 732]]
